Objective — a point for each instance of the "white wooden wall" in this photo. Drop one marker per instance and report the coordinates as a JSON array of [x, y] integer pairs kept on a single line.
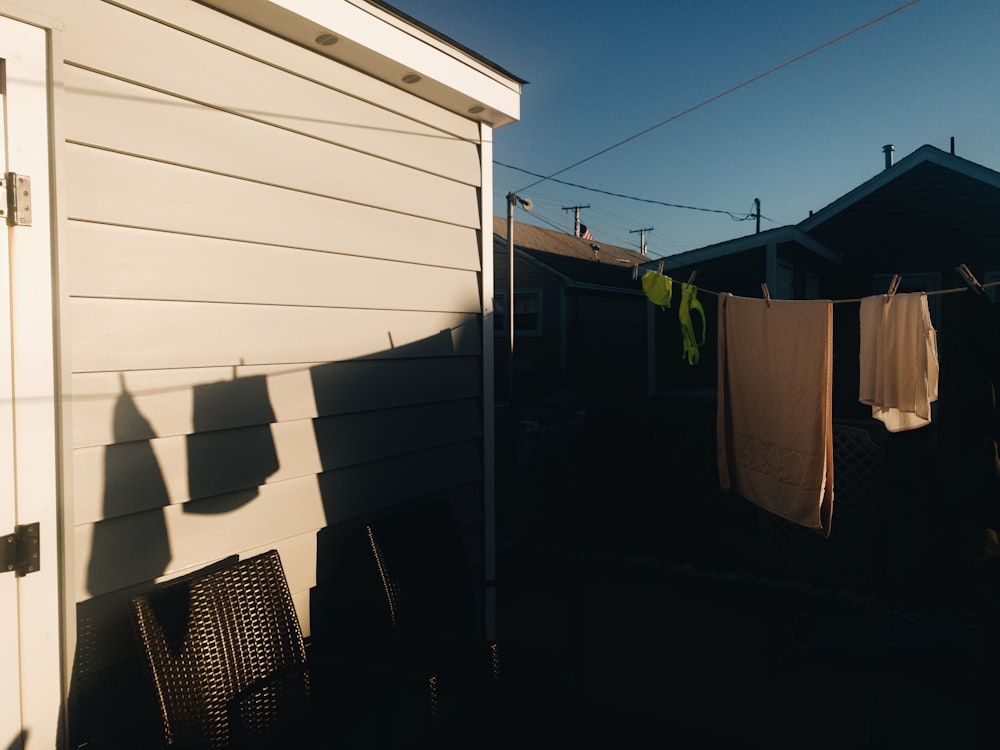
[[271, 271]]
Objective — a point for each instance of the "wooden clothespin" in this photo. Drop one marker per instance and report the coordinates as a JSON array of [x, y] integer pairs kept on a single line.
[[659, 268], [971, 280], [767, 294], [691, 277], [635, 272], [893, 286]]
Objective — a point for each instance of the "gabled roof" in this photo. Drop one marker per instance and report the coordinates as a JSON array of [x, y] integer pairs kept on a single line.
[[776, 236], [921, 164], [530, 237], [930, 204], [570, 258]]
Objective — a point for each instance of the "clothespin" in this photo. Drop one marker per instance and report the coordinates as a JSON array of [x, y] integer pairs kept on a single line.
[[893, 286], [767, 294], [691, 277], [659, 268], [971, 280], [635, 272]]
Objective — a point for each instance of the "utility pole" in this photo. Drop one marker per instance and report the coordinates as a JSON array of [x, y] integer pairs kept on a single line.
[[756, 205], [642, 237], [576, 221]]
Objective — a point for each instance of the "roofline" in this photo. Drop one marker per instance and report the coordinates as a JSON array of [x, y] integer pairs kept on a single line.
[[787, 233], [447, 40], [925, 153], [380, 41], [525, 255]]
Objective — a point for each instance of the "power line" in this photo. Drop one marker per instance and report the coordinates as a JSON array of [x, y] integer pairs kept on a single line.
[[708, 101], [731, 214]]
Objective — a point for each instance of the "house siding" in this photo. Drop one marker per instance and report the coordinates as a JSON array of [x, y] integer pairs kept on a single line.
[[271, 289]]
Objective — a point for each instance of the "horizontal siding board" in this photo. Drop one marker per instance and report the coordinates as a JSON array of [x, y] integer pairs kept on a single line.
[[121, 552], [165, 398], [135, 334], [361, 491], [121, 262], [321, 97], [137, 476], [154, 195], [119, 116]]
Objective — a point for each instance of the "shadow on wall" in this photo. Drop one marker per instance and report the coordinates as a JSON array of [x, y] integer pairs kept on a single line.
[[108, 695], [394, 428]]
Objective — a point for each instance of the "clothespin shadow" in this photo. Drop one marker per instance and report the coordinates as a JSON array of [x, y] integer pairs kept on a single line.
[[971, 280], [893, 286], [767, 294]]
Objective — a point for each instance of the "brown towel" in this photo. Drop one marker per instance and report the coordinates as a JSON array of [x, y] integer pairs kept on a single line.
[[775, 411]]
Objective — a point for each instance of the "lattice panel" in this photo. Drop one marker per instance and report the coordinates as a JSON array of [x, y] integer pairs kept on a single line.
[[851, 553]]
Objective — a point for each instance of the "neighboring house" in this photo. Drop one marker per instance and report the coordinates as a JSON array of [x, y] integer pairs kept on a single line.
[[581, 323], [920, 218], [248, 307]]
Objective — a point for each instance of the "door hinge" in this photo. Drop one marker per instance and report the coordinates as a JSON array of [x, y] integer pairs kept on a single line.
[[20, 552], [18, 203]]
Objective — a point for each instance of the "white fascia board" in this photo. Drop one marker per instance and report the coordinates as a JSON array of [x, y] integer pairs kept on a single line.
[[380, 44]]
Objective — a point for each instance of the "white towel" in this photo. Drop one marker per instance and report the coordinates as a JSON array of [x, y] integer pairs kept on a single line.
[[775, 409], [898, 360]]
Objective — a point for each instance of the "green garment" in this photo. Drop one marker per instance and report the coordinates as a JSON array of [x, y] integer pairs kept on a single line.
[[658, 288], [689, 301]]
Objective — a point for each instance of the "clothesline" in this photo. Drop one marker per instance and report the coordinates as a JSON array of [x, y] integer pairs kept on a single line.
[[931, 293]]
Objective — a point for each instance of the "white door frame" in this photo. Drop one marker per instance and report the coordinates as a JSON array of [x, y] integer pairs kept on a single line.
[[26, 47]]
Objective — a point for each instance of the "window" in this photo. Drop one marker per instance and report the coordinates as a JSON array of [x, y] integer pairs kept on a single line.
[[527, 313]]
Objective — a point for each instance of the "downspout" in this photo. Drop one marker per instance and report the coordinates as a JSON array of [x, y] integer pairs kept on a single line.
[[489, 382]]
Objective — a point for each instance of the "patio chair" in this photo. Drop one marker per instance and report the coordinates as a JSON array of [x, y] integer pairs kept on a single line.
[[226, 656], [402, 600]]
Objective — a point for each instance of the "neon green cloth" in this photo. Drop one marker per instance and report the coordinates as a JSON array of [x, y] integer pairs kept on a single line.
[[689, 301], [658, 288]]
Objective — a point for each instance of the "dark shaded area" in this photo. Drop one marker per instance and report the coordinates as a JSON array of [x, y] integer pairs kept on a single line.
[[637, 601]]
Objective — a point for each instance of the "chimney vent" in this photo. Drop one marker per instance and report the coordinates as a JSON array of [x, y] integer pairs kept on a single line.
[[888, 150]]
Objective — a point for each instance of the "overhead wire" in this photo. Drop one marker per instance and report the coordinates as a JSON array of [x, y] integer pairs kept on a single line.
[[731, 214], [728, 91]]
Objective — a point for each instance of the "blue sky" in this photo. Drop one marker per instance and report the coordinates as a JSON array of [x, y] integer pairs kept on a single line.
[[599, 73]]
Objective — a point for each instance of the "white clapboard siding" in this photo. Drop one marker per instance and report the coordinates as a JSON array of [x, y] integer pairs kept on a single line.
[[118, 116], [271, 279], [149, 472], [122, 551], [110, 261], [140, 334], [113, 188], [165, 398], [143, 546], [322, 97]]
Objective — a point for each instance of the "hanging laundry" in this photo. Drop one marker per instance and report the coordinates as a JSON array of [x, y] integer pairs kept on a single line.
[[689, 301], [658, 288], [775, 406], [898, 360]]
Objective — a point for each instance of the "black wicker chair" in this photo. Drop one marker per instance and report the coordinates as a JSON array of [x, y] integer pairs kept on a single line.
[[227, 658]]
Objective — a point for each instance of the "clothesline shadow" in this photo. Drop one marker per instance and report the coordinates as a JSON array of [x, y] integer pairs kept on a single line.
[[110, 700]]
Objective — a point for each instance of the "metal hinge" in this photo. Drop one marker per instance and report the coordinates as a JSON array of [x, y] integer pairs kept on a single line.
[[20, 552], [18, 205]]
